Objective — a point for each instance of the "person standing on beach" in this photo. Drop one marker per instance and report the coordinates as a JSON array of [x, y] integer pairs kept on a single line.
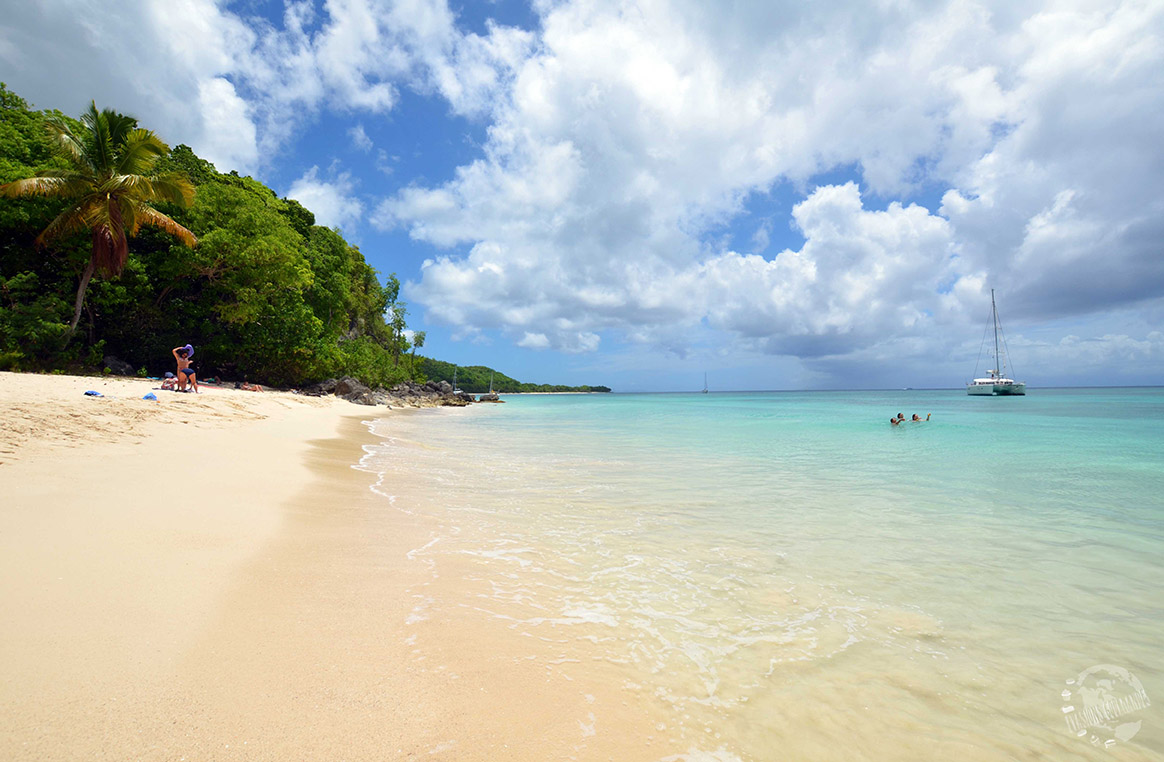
[[186, 373]]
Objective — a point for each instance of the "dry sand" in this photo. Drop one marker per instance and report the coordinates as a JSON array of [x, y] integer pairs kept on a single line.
[[208, 578]]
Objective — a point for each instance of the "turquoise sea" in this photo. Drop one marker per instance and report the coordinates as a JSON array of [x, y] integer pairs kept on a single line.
[[785, 575]]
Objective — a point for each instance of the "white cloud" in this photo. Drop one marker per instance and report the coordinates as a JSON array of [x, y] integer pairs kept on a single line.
[[861, 276], [333, 203], [634, 131], [236, 89], [228, 139], [174, 73], [534, 341], [360, 138], [624, 137]]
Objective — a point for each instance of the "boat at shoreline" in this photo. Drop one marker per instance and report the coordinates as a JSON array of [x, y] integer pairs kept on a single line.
[[998, 384]]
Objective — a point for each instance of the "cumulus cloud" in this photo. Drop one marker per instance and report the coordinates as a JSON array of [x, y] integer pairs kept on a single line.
[[333, 202], [622, 138], [633, 132], [179, 80], [860, 276], [236, 88], [360, 138]]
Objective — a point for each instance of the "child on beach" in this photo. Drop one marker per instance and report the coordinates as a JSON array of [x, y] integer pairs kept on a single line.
[[186, 374]]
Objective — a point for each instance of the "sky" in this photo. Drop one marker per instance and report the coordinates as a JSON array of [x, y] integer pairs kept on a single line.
[[774, 193]]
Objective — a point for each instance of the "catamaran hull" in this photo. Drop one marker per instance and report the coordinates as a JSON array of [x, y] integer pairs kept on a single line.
[[996, 390]]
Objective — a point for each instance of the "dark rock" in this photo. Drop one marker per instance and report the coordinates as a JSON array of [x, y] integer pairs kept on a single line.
[[321, 389], [489, 397], [347, 386], [119, 367], [366, 397]]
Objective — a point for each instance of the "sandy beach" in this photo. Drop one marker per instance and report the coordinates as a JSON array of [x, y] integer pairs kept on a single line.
[[207, 577], [124, 522]]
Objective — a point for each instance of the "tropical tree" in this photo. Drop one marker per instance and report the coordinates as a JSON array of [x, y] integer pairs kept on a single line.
[[109, 187], [418, 338]]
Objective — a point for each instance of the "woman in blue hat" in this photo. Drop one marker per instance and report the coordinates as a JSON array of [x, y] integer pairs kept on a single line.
[[186, 373]]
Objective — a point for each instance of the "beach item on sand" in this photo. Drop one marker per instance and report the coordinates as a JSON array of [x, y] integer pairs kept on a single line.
[[92, 393], [151, 396]]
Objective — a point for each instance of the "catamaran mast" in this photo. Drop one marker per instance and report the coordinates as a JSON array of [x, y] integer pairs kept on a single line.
[[997, 357]]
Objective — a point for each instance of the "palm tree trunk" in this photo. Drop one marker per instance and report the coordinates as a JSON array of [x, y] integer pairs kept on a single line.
[[85, 276]]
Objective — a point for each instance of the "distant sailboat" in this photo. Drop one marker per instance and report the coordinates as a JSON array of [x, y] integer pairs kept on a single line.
[[705, 383], [998, 384]]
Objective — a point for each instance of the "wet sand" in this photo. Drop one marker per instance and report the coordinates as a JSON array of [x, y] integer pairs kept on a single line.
[[210, 578]]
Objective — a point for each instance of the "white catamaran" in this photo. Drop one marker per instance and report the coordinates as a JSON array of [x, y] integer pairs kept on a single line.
[[998, 384]]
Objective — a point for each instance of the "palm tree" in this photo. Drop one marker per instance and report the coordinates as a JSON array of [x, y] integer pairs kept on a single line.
[[109, 186]]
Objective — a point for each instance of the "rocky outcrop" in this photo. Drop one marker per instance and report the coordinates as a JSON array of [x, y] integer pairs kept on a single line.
[[355, 391], [119, 367], [431, 394], [406, 394], [489, 397], [321, 389]]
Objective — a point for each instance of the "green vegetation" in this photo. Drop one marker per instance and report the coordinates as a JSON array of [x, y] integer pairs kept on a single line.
[[217, 260], [265, 295], [108, 184], [475, 379]]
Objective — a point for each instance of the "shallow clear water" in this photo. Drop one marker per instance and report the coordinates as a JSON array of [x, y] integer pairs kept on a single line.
[[788, 571]]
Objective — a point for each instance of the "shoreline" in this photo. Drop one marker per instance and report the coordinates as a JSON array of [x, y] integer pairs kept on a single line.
[[214, 577]]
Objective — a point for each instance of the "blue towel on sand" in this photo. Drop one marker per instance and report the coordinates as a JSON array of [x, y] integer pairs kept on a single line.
[[151, 396], [92, 393]]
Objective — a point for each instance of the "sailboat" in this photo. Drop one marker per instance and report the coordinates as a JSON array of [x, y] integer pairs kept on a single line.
[[705, 383], [997, 384]]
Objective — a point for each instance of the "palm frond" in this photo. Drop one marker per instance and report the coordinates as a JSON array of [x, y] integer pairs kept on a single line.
[[56, 187], [128, 208], [72, 220], [172, 187], [134, 185], [175, 188], [146, 215], [120, 126], [66, 143], [99, 147], [139, 153]]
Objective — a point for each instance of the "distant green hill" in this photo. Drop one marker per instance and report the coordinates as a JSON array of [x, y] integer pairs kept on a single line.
[[475, 379]]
